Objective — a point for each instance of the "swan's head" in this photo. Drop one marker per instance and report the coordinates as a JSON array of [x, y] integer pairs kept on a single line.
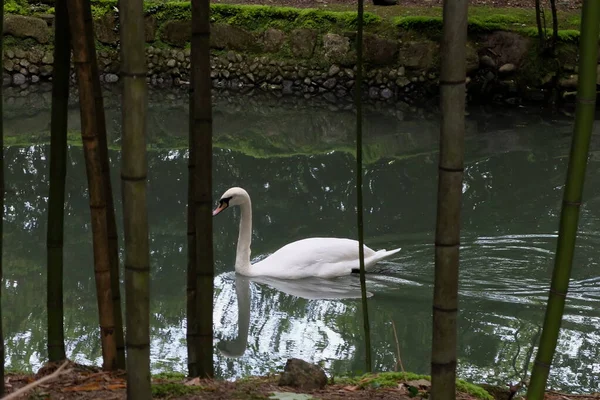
[[234, 196]]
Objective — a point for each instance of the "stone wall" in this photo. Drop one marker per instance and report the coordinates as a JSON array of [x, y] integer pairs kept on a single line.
[[301, 61]]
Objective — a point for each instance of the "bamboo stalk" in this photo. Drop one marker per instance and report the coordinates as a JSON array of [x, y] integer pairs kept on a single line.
[[2, 192], [359, 184], [569, 217], [201, 130], [58, 172], [451, 167], [80, 19], [134, 171], [192, 322], [113, 238]]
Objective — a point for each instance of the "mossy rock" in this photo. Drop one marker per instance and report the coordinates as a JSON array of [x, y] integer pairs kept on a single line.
[[380, 51], [176, 32], [336, 48], [303, 42], [230, 37], [272, 40], [105, 29], [27, 27], [150, 26], [419, 55], [508, 47]]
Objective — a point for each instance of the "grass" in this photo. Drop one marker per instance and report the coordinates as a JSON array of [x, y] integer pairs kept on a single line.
[[391, 379]]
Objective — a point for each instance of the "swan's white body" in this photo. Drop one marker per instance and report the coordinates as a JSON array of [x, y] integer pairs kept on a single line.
[[313, 257]]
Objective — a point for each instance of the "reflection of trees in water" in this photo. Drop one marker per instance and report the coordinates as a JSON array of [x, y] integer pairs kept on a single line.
[[508, 197]]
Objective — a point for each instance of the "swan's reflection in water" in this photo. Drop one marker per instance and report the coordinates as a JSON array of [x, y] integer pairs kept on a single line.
[[347, 287]]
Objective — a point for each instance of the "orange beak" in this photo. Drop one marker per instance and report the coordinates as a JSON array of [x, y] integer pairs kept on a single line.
[[220, 208]]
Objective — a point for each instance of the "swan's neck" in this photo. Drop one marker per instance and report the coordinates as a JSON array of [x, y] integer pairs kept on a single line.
[[242, 257]]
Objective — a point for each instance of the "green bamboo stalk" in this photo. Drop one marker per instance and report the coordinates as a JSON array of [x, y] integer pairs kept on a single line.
[[58, 172], [569, 217], [84, 56], [135, 215], [201, 130], [359, 184], [451, 167], [2, 191]]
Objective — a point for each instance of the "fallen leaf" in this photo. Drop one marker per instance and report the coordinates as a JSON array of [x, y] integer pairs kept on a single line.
[[90, 387], [116, 386], [350, 388], [419, 383], [193, 382]]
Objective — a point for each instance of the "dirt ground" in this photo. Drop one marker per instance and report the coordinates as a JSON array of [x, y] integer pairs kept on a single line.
[[562, 5], [86, 383]]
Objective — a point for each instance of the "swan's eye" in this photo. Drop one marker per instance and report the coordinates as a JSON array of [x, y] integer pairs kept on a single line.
[[225, 200]]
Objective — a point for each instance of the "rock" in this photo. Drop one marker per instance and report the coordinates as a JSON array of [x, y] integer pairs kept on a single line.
[[18, 79], [507, 69], [231, 37], [510, 47], [111, 78], [104, 28], [303, 42], [336, 47], [402, 81], [9, 53], [46, 70], [387, 93], [225, 74], [487, 62], [33, 69], [20, 53], [418, 55], [333, 70], [379, 51], [35, 79], [231, 56], [303, 375], [272, 39], [330, 83], [176, 32], [287, 87], [150, 28], [472, 59], [251, 77], [569, 82], [26, 27], [6, 79], [8, 65], [48, 58], [171, 63], [373, 93]]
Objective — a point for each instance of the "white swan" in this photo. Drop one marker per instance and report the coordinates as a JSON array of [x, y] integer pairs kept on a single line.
[[313, 257]]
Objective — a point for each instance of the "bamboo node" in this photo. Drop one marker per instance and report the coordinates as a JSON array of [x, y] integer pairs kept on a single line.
[[440, 244], [452, 82], [447, 169], [133, 178], [446, 310], [572, 203], [556, 292], [542, 364], [134, 74]]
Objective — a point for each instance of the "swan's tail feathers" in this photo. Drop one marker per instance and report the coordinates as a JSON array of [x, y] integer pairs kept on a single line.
[[381, 254]]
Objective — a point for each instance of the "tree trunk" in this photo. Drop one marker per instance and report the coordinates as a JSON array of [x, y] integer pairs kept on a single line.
[[569, 218], [2, 191], [554, 24], [540, 26], [58, 172], [359, 185], [135, 215], [201, 130], [192, 322], [84, 56], [451, 167]]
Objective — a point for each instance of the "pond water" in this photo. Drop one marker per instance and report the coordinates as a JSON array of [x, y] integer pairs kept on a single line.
[[296, 163]]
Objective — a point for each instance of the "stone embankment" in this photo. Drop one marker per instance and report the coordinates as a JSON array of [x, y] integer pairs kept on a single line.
[[293, 52]]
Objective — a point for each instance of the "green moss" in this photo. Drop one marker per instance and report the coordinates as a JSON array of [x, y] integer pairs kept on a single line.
[[20, 7], [391, 379], [169, 375], [173, 389]]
